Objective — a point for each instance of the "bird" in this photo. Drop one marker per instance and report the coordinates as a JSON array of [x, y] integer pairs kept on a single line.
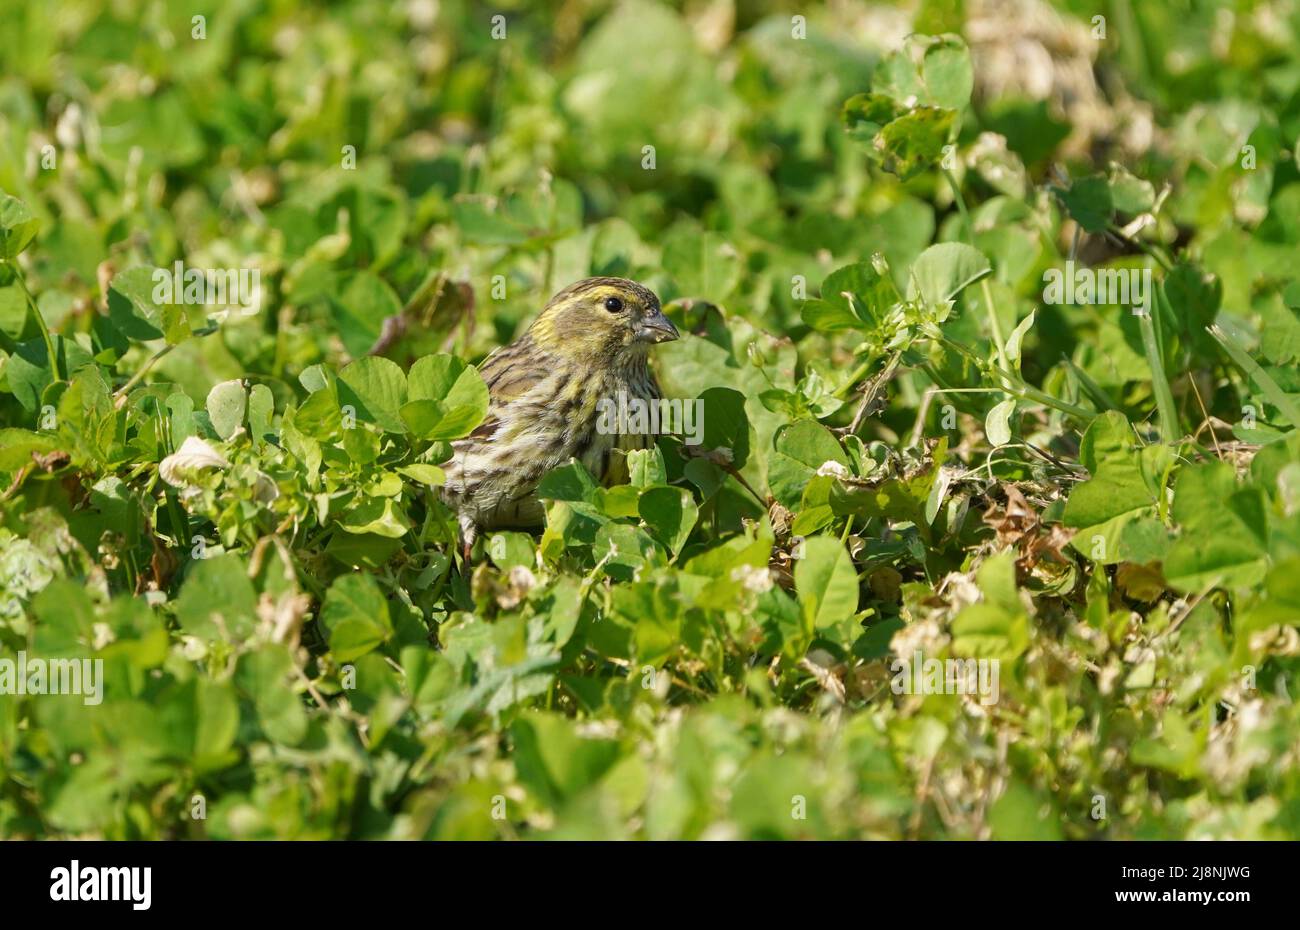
[[589, 343]]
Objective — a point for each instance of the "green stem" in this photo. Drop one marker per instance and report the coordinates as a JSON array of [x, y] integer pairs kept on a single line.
[[1026, 392], [180, 523], [1019, 389], [994, 326], [871, 390], [1160, 257], [40, 321], [847, 387], [1276, 396], [998, 340], [1166, 410], [1090, 387], [734, 472], [144, 370]]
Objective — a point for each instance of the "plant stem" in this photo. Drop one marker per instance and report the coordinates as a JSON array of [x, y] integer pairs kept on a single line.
[[179, 520], [40, 321], [847, 387], [734, 472], [1026, 392], [1165, 407], [994, 326], [1161, 259], [1020, 389], [872, 391], [1090, 387], [144, 370], [1276, 396]]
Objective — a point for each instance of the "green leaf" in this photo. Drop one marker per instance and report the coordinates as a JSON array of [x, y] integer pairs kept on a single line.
[[508, 550], [555, 762], [132, 307], [1117, 494], [1129, 194], [448, 398], [853, 297], [569, 482], [1223, 537], [377, 516], [18, 227], [669, 515], [355, 617], [376, 389], [1020, 814], [725, 423], [827, 582], [913, 143], [801, 448], [646, 467], [217, 600], [430, 475], [933, 70], [67, 619], [625, 547], [17, 446], [703, 264], [180, 409], [265, 675], [997, 424], [762, 799], [319, 416], [941, 271], [360, 309], [358, 550], [1088, 200], [28, 369], [1279, 338], [446, 378], [864, 115], [216, 724], [827, 317], [226, 404], [261, 407], [996, 627], [1017, 338]]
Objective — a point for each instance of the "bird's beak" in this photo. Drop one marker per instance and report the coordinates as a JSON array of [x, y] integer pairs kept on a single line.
[[657, 328]]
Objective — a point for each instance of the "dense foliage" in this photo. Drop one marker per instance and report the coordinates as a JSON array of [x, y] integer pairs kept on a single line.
[[910, 447]]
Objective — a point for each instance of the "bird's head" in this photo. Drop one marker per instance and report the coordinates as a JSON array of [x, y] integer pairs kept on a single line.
[[603, 320]]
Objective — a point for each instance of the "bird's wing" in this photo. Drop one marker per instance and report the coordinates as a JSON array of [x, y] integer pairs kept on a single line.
[[509, 373]]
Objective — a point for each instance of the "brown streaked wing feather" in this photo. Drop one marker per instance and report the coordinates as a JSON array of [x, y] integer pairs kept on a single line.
[[509, 373]]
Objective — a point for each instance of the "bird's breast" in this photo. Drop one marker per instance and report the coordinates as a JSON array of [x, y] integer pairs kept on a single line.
[[595, 417]]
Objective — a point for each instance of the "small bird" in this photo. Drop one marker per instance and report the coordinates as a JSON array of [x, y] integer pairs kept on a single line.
[[589, 344]]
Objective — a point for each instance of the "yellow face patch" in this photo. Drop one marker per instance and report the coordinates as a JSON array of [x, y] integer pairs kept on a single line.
[[594, 316]]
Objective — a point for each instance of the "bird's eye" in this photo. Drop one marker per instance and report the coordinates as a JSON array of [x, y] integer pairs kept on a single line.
[[613, 304]]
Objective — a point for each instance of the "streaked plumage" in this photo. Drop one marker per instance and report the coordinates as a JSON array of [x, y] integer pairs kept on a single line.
[[544, 389]]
